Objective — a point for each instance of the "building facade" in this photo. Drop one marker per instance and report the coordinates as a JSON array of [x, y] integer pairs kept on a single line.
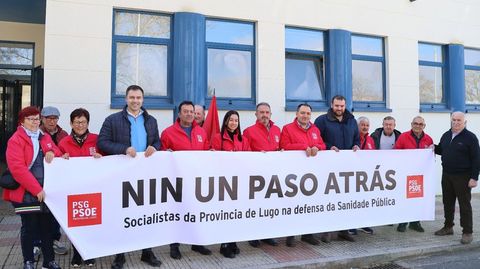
[[401, 58]]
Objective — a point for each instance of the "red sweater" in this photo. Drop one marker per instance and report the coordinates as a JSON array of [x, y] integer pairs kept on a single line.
[[19, 156], [295, 137], [175, 138], [228, 144], [68, 145], [408, 141], [261, 139], [366, 142]]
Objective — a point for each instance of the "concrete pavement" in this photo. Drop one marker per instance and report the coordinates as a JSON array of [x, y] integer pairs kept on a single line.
[[385, 245]]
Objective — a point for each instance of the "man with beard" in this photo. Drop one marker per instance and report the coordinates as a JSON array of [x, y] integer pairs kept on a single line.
[[263, 136], [339, 131]]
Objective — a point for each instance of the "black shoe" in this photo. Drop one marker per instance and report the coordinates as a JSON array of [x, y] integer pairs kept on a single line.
[[29, 265], [326, 237], [119, 261], [270, 241], [309, 238], [76, 261], [175, 253], [149, 258], [290, 241], [254, 243], [201, 249], [90, 262], [445, 231], [416, 226], [51, 265], [227, 251], [402, 227], [235, 248], [345, 236]]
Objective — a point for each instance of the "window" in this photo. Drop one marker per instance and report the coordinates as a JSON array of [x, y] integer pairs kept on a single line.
[[304, 68], [472, 78], [141, 56], [16, 59], [431, 73], [368, 72], [231, 62]]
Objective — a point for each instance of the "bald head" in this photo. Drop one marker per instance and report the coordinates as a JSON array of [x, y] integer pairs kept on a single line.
[[457, 121]]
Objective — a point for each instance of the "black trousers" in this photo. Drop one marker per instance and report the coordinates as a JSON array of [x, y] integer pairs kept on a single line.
[[37, 225], [455, 186]]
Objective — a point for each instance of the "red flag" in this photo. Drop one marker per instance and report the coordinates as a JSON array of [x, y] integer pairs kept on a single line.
[[211, 124]]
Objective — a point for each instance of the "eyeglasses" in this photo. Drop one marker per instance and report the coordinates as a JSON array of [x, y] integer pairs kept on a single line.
[[32, 119], [51, 118], [418, 123], [80, 122]]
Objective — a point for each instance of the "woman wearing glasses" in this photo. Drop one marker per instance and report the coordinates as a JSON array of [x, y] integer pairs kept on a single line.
[[79, 143], [26, 150]]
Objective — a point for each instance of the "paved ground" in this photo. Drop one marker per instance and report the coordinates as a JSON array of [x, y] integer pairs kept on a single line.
[[385, 245]]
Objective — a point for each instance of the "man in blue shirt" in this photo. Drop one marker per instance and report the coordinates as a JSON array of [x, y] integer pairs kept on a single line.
[[127, 132]]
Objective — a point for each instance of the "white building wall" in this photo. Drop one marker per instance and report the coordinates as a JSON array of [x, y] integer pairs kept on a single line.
[[78, 44]]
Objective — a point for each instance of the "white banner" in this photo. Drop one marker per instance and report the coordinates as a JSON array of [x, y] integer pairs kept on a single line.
[[119, 204]]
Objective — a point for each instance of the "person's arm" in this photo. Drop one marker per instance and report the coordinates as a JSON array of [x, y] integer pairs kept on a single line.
[[323, 131], [105, 139], [475, 158], [438, 148], [16, 162]]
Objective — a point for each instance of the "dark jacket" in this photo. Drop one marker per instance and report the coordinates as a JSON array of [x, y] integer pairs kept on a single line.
[[460, 155], [114, 137], [342, 134], [377, 134]]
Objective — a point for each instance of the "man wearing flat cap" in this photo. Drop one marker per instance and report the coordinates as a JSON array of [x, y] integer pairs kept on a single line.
[[50, 126]]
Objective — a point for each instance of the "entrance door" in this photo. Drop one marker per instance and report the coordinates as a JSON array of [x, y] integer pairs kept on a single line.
[[15, 94]]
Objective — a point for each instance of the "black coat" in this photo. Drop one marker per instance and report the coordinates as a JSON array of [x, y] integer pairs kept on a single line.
[[114, 136]]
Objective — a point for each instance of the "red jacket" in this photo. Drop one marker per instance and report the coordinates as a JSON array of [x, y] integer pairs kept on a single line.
[[228, 144], [19, 156], [261, 139], [294, 137], [175, 138], [68, 145], [366, 142], [408, 141]]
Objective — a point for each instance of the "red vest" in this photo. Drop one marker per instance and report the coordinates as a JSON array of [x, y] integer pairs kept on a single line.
[[407, 141], [68, 145]]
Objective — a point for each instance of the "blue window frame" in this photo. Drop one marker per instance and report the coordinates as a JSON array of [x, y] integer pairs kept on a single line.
[[368, 73], [141, 55], [304, 68], [230, 50], [472, 79], [432, 77]]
